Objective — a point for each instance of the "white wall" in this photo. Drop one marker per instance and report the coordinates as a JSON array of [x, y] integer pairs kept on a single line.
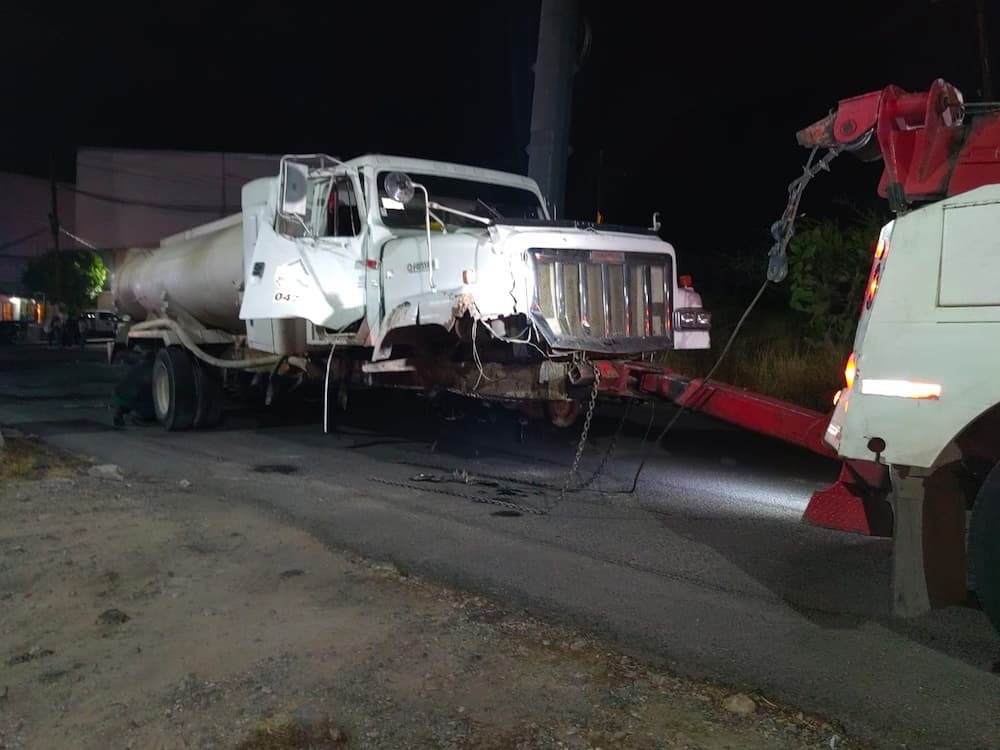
[[133, 198], [122, 198]]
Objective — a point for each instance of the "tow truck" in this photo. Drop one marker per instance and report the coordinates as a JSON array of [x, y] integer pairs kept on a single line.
[[917, 424]]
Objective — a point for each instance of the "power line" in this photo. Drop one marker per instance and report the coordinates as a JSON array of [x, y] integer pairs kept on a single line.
[[181, 180], [80, 240], [184, 179], [23, 238], [189, 208]]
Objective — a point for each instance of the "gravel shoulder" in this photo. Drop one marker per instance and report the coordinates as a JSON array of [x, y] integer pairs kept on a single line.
[[139, 613]]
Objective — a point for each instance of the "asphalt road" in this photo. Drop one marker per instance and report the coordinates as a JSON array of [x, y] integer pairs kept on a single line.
[[706, 569]]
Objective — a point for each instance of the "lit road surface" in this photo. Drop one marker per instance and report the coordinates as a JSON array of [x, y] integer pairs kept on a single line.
[[706, 569]]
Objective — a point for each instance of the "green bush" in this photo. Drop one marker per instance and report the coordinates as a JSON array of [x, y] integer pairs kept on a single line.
[[829, 263], [769, 356], [795, 354], [71, 277]]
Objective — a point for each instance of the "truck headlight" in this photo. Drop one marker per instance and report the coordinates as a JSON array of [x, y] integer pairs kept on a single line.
[[692, 318]]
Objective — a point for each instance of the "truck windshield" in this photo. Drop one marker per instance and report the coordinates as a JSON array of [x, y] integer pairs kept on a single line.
[[484, 199]]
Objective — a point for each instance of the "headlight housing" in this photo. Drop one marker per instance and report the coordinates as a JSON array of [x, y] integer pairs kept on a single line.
[[692, 319]]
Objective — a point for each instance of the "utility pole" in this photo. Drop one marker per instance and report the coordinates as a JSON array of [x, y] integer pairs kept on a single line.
[[984, 51], [555, 66]]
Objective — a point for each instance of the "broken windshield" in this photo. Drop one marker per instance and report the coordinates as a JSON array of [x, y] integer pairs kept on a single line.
[[484, 199]]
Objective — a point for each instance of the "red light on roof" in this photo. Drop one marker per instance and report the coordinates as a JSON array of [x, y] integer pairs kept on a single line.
[[684, 281]]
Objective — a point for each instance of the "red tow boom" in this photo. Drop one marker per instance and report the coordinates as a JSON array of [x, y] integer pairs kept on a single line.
[[933, 143], [855, 502]]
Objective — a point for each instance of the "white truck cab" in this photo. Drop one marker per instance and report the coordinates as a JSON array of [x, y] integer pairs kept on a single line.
[[386, 243]]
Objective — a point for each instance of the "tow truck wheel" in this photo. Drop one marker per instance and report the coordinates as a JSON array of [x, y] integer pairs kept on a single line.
[[208, 395], [984, 545], [174, 393], [563, 413]]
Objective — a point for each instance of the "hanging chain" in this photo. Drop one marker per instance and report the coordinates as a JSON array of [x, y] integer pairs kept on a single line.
[[784, 228], [566, 488], [611, 448], [584, 433]]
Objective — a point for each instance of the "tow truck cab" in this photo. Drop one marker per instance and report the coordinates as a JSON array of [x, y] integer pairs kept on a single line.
[[920, 374]]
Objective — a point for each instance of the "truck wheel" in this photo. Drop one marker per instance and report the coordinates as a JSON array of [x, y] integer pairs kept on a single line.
[[208, 395], [174, 394], [984, 545]]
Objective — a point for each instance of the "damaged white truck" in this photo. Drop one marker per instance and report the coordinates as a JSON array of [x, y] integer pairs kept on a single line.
[[398, 272]]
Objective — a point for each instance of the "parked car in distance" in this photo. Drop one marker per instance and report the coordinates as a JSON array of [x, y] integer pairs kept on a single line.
[[98, 323]]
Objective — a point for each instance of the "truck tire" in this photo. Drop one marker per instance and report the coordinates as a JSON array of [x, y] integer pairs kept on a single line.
[[984, 545], [208, 395], [174, 394]]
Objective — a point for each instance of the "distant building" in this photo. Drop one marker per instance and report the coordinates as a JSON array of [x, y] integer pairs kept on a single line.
[[122, 198], [132, 198]]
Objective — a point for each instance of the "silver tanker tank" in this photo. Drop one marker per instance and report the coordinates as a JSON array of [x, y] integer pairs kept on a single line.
[[199, 272]]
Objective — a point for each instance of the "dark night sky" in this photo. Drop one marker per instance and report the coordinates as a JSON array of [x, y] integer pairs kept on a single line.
[[694, 105]]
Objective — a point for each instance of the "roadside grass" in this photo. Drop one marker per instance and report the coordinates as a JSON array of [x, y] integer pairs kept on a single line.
[[283, 732], [769, 356], [24, 458]]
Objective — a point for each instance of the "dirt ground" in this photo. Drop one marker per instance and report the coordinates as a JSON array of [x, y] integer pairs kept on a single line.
[[140, 614]]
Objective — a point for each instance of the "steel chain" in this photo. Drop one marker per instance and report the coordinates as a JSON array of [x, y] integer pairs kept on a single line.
[[784, 228], [584, 433], [611, 448], [563, 490]]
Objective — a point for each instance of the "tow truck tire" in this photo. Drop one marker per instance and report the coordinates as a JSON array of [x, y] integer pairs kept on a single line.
[[208, 395], [174, 393], [984, 545]]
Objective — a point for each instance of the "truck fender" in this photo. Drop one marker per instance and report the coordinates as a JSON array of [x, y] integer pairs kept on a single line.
[[404, 314]]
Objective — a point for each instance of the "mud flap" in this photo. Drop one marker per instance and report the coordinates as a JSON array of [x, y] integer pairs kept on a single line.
[[928, 551], [855, 503]]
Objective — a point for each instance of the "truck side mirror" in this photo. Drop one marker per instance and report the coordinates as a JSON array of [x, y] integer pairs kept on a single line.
[[293, 189]]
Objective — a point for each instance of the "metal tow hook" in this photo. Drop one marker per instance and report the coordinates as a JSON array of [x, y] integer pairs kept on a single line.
[[580, 373]]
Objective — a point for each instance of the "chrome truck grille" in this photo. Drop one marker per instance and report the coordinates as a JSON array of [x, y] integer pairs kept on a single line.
[[600, 301]]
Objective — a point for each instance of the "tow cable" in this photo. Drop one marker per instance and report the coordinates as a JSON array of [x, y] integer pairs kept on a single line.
[[782, 232]]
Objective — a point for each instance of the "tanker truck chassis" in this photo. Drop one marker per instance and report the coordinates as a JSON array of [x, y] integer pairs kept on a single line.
[[397, 272]]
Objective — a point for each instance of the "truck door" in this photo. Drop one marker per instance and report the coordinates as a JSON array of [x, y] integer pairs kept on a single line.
[[310, 263]]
